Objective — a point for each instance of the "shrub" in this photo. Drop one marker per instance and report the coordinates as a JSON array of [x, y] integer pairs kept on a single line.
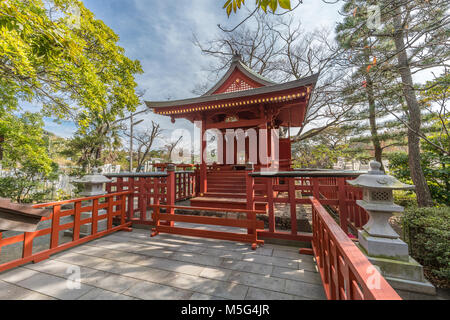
[[427, 231]]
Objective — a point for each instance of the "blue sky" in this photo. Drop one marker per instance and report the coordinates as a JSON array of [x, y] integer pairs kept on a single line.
[[159, 34]]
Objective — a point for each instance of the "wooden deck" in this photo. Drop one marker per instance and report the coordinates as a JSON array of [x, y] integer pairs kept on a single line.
[[135, 266]]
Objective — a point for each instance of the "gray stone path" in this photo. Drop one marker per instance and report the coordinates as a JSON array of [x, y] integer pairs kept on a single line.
[[132, 265]]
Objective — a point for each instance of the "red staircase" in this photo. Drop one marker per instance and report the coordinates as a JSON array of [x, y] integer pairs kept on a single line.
[[225, 189]]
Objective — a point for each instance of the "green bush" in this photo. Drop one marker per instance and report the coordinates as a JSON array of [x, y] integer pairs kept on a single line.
[[436, 168], [405, 199], [427, 231]]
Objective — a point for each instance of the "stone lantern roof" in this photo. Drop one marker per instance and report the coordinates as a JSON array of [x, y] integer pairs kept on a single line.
[[377, 179], [94, 178]]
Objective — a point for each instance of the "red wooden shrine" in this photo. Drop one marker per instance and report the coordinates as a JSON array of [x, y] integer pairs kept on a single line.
[[244, 100]]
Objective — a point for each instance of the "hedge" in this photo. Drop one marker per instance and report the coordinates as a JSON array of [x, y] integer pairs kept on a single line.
[[427, 231]]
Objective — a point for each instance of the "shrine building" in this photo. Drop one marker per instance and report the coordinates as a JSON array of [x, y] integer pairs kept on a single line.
[[245, 100]]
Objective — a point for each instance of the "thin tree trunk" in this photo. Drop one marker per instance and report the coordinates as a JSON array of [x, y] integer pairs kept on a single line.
[[373, 122], [423, 192]]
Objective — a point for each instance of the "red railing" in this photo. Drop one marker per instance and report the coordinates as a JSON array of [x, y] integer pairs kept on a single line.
[[185, 185], [250, 223], [294, 188], [150, 199], [345, 271], [114, 204], [148, 188]]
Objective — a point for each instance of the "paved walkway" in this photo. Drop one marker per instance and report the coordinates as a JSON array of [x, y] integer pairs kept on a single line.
[[132, 265]]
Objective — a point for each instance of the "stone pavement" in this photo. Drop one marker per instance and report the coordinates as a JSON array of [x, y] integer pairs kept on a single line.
[[127, 266]]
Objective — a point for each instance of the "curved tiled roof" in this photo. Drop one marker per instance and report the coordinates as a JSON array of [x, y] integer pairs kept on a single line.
[[311, 80]]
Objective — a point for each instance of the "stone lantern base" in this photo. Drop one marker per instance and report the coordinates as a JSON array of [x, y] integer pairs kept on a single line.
[[402, 275], [383, 247]]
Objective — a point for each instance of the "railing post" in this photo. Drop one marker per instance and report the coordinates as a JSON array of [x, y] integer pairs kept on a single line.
[[343, 212], [54, 238], [94, 216], [250, 191], [292, 205], [110, 211], [272, 221], [77, 221], [171, 190], [316, 188], [131, 198], [27, 249], [142, 198]]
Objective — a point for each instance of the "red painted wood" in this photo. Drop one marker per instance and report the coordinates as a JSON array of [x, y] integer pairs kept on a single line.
[[343, 212], [292, 205], [55, 228], [237, 223], [94, 226], [209, 234], [77, 221], [331, 244], [54, 239]]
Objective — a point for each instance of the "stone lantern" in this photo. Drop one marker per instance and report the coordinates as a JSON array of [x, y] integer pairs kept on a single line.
[[92, 186], [378, 240]]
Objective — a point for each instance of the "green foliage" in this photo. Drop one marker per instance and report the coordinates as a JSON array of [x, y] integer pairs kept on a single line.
[[321, 151], [436, 168], [25, 155], [234, 5], [57, 53], [405, 199], [427, 231]]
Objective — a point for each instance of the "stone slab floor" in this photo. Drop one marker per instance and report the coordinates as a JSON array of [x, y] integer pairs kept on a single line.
[[128, 266]]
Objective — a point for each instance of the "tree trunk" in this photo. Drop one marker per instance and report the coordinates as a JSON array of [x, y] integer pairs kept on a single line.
[[423, 192], [373, 122]]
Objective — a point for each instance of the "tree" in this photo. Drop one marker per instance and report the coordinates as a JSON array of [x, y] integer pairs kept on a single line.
[[417, 30], [234, 5], [282, 51], [170, 147], [321, 151], [96, 144], [146, 140], [55, 52], [24, 154]]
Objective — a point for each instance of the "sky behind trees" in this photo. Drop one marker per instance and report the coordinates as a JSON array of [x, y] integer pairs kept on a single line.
[[159, 33]]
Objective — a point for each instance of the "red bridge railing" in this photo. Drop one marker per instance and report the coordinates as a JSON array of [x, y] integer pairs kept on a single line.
[[346, 272], [294, 188], [113, 204], [150, 199]]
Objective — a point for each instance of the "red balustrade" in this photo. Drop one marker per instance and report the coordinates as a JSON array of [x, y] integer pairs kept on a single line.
[[346, 272], [113, 204], [294, 188], [150, 199]]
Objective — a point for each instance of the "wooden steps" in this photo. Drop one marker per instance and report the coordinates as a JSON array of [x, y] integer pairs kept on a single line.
[[225, 195]]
